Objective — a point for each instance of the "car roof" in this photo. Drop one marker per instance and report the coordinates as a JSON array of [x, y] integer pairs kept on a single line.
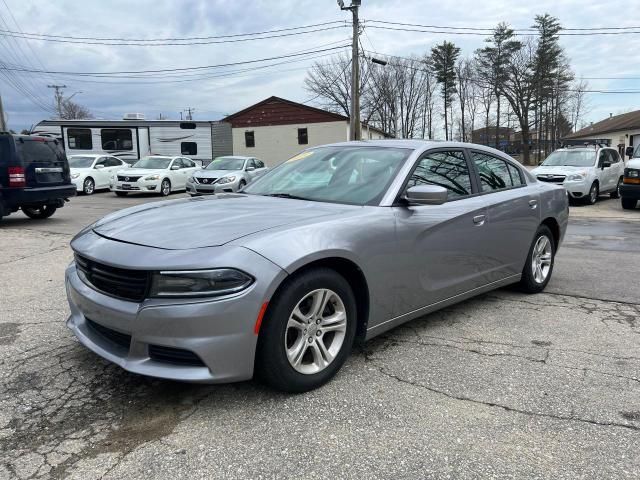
[[239, 157], [94, 155]]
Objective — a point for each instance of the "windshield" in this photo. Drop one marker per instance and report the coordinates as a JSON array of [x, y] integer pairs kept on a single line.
[[153, 163], [226, 163], [346, 174], [81, 162], [636, 154], [571, 158]]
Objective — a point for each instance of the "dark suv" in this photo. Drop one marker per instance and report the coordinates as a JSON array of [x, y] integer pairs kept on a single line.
[[34, 176]]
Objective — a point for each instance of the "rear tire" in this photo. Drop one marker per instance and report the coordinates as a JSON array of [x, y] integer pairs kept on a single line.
[[616, 192], [88, 186], [39, 213], [122, 194], [308, 342], [592, 196], [539, 265], [629, 203]]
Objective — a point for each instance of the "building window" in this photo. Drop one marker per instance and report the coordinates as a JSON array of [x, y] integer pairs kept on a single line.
[[116, 139], [188, 126], [303, 136], [249, 139], [80, 138], [189, 148]]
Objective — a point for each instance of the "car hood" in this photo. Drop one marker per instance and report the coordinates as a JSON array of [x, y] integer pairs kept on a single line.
[[557, 170], [80, 170], [215, 173], [209, 221], [142, 171], [633, 163]]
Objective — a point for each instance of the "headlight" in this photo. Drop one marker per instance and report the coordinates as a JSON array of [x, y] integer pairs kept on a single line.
[[199, 283], [576, 177], [227, 179], [75, 175], [632, 173], [152, 177]]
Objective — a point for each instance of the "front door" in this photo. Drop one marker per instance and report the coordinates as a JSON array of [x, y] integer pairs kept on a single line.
[[443, 249]]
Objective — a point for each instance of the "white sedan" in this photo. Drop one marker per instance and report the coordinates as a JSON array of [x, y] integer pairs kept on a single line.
[[155, 173], [93, 172]]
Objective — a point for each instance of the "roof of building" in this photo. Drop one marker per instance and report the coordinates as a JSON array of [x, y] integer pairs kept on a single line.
[[280, 111], [626, 121]]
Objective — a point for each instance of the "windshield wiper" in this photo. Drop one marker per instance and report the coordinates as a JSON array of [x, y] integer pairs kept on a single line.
[[287, 195]]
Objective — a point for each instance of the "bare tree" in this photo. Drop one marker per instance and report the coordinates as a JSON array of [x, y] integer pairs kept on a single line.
[[578, 104], [70, 110]]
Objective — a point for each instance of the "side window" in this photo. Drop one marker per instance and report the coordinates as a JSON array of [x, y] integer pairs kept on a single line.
[[188, 163], [614, 156], [494, 172], [303, 136], [116, 139], [177, 162], [79, 138], [189, 148], [259, 163], [251, 163], [102, 161], [447, 169], [516, 176], [603, 157], [249, 139]]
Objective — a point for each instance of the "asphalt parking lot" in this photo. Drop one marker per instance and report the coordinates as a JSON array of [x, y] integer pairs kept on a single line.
[[502, 386]]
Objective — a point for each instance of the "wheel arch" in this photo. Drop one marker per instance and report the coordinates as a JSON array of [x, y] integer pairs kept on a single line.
[[554, 226], [354, 275]]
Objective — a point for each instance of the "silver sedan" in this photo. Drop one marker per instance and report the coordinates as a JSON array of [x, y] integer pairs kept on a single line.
[[341, 242], [225, 174]]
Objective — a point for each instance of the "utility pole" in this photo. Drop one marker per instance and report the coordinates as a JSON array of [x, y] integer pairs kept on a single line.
[[354, 125], [3, 124], [58, 97], [189, 111]]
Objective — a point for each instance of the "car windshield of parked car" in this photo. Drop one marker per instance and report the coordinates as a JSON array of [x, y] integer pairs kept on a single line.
[[153, 163], [81, 162], [569, 158], [226, 163], [344, 174]]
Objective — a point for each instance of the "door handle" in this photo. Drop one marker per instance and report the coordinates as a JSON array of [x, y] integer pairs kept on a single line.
[[533, 204], [479, 219]]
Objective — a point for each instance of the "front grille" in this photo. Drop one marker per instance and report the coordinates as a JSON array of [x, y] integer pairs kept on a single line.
[[206, 181], [177, 356], [200, 190], [116, 282], [126, 178], [552, 179], [121, 339]]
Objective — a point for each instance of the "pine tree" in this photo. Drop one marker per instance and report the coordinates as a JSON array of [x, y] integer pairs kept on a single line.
[[443, 61]]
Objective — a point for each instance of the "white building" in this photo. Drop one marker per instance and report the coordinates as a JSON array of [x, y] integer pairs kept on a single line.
[[275, 129], [619, 131]]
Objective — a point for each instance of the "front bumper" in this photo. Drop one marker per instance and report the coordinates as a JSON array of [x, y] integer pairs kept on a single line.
[[139, 186], [577, 189], [209, 189], [78, 183], [218, 332], [630, 191]]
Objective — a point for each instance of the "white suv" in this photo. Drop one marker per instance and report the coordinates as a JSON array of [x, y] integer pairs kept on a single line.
[[585, 171]]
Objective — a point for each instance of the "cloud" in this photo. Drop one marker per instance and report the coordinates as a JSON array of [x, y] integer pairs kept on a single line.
[[603, 56]]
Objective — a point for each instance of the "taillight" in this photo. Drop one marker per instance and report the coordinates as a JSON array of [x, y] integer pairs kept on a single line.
[[16, 177]]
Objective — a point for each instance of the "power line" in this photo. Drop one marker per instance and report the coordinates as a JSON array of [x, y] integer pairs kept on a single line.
[[141, 43], [331, 84], [164, 70], [420, 30]]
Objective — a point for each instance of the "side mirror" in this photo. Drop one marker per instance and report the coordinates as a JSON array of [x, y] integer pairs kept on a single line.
[[175, 167], [628, 152], [606, 165], [250, 169], [99, 167], [426, 195]]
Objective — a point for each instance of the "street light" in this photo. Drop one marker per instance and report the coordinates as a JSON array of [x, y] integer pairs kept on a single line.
[[69, 98]]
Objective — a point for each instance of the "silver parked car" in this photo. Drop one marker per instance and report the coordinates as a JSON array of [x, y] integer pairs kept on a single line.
[[225, 174], [340, 242]]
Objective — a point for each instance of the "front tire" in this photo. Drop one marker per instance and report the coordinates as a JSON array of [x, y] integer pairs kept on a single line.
[[39, 213], [165, 188], [539, 265], [122, 194], [241, 185], [308, 331], [592, 196], [629, 203], [88, 186]]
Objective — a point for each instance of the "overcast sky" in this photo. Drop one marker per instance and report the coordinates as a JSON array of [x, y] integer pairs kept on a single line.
[[212, 98]]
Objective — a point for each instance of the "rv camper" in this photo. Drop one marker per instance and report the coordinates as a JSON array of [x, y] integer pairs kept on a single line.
[[134, 137]]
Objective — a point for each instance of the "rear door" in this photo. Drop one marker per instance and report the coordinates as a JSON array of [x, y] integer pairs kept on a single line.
[[513, 214], [44, 162]]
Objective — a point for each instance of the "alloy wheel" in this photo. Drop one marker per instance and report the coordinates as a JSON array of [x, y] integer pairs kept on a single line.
[[593, 194], [88, 186], [315, 331], [165, 188], [541, 259]]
